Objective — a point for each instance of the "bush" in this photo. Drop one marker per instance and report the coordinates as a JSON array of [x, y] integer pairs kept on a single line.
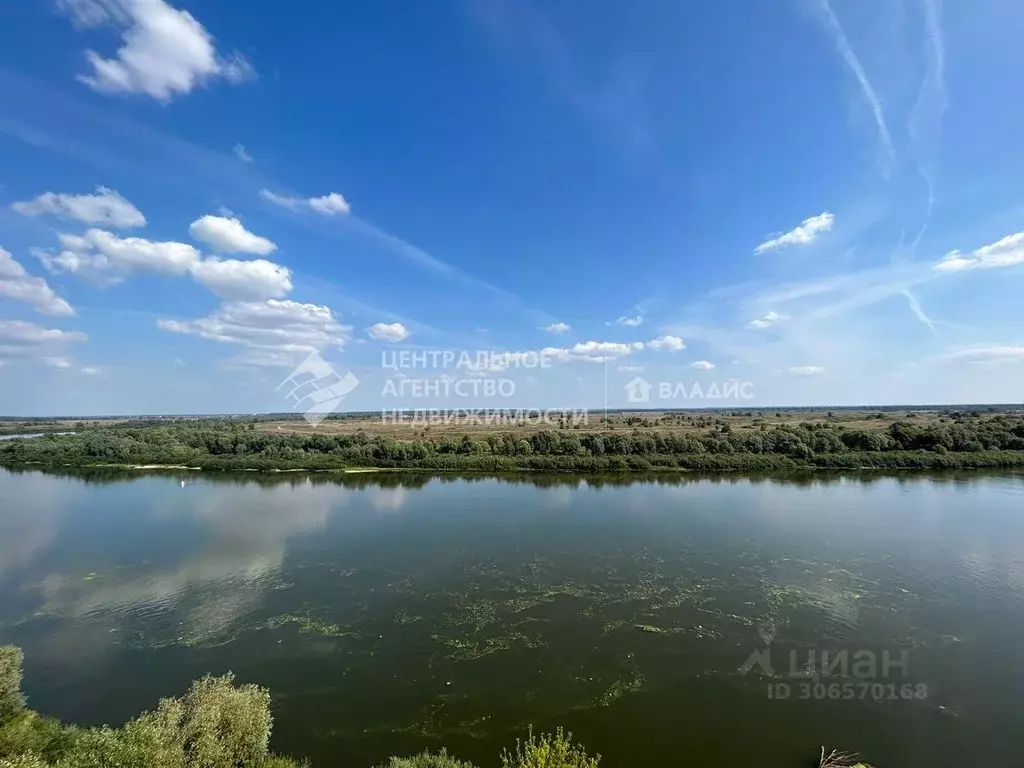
[[11, 700], [427, 760], [548, 751]]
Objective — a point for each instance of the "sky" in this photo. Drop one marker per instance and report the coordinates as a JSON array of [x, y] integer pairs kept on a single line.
[[509, 204]]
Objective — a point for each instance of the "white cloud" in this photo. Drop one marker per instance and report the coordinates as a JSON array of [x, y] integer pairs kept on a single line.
[[804, 234], [631, 322], [331, 204], [287, 326], [702, 365], [166, 52], [767, 321], [243, 280], [558, 328], [17, 284], [1007, 252], [105, 207], [99, 250], [91, 370], [392, 332], [24, 340], [630, 368], [592, 351], [242, 154], [227, 235], [23, 332], [291, 203], [1007, 353], [671, 343], [806, 370]]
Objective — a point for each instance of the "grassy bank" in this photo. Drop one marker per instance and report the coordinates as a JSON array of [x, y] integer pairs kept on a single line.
[[957, 441], [219, 724]]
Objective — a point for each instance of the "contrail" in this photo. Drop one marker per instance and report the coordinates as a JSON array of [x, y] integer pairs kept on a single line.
[[915, 307], [925, 122], [835, 29]]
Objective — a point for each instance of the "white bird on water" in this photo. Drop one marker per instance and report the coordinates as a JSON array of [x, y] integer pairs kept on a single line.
[[182, 483]]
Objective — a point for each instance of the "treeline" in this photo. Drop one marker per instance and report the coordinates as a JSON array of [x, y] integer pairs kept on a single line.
[[994, 441]]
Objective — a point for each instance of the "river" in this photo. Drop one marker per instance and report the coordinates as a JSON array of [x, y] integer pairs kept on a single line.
[[665, 621]]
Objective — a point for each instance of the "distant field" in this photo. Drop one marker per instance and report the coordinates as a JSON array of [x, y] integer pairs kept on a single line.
[[688, 423]]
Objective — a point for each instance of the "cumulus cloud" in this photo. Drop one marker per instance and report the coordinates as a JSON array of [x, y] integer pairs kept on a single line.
[[702, 365], [17, 284], [392, 332], [806, 370], [227, 235], [165, 53], [767, 321], [243, 280], [331, 204], [558, 328], [105, 207], [804, 234], [99, 250], [1007, 252], [285, 326], [670, 343], [631, 322]]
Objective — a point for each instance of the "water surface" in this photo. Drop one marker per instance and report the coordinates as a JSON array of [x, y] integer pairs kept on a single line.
[[388, 613]]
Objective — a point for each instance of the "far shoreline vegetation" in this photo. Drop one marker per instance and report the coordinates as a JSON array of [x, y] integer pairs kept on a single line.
[[221, 724], [766, 440]]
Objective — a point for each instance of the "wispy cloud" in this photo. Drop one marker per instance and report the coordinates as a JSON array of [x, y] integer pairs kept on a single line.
[[915, 307], [243, 154], [838, 36], [804, 234], [925, 122]]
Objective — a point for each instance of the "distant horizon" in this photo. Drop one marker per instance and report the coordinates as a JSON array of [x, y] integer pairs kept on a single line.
[[289, 415]]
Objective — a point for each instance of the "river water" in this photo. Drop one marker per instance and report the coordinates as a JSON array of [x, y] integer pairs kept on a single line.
[[665, 621]]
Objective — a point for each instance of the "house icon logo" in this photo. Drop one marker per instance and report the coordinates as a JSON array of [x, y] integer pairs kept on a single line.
[[638, 391]]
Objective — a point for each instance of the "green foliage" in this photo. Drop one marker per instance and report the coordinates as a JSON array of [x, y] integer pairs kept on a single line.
[[233, 445], [548, 750], [427, 760], [11, 700]]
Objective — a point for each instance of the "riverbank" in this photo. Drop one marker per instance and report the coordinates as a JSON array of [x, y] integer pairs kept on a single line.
[[956, 441], [221, 723]]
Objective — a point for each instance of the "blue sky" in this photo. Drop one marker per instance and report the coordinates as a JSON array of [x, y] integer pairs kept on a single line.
[[819, 199]]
